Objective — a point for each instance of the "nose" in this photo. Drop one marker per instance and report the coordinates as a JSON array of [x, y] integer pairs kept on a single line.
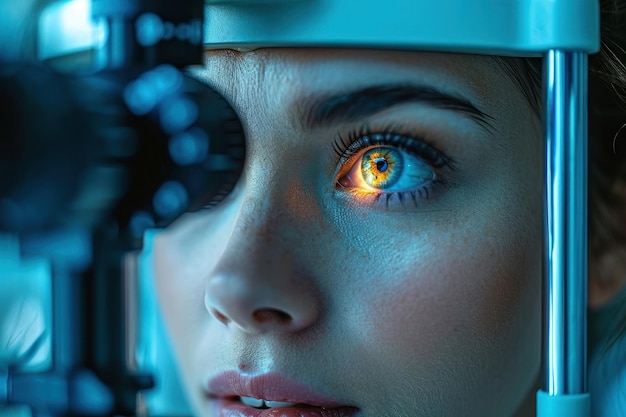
[[259, 303], [258, 284]]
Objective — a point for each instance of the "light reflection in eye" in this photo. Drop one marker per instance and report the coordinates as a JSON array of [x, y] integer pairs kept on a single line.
[[390, 170]]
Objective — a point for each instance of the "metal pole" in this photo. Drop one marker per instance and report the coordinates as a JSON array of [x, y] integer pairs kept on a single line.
[[564, 379]]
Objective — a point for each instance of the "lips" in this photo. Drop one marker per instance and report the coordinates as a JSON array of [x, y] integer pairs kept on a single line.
[[226, 389]]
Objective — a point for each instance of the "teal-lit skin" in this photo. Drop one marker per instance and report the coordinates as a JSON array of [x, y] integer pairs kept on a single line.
[[424, 306]]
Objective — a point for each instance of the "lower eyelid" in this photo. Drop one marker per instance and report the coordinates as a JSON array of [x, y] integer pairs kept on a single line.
[[398, 199]]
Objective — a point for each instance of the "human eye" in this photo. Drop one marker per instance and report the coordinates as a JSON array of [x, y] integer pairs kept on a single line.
[[386, 166]]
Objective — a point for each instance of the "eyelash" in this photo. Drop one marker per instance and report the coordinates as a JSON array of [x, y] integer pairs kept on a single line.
[[350, 147]]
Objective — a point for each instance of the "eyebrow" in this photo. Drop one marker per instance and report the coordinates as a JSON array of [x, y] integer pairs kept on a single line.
[[325, 111]]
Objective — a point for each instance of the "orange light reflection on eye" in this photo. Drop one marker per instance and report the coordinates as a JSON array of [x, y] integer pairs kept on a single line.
[[361, 193]]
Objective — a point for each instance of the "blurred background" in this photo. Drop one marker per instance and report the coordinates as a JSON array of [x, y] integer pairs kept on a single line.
[[25, 280]]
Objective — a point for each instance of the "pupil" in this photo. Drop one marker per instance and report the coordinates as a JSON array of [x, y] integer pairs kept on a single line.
[[382, 165]]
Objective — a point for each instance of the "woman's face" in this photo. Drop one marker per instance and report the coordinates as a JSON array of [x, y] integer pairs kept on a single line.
[[382, 249]]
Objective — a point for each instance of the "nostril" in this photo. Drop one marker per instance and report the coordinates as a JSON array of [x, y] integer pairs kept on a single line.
[[267, 315], [222, 318]]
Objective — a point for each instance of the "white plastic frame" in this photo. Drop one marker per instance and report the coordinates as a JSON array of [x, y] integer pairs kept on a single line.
[[496, 27]]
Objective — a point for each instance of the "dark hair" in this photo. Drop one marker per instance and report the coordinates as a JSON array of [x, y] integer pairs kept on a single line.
[[607, 156], [607, 140]]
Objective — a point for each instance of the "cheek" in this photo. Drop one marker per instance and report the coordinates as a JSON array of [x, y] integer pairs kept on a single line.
[[183, 255], [458, 288], [461, 293], [463, 316], [178, 291], [473, 273], [466, 279]]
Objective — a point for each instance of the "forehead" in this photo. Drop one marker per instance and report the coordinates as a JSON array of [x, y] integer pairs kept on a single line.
[[296, 71]]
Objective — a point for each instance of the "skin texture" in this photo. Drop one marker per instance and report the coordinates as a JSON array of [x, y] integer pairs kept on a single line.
[[429, 308]]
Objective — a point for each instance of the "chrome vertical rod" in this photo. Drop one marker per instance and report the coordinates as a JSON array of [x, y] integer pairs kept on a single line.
[[565, 223]]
